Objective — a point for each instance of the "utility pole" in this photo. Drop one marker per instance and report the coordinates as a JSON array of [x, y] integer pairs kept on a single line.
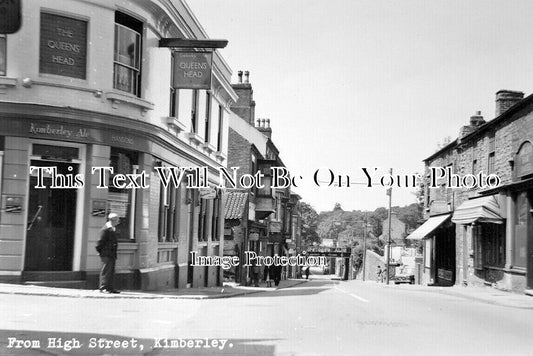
[[389, 193], [364, 247]]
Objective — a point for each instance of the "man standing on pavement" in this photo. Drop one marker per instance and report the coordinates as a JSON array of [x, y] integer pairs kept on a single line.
[[107, 249]]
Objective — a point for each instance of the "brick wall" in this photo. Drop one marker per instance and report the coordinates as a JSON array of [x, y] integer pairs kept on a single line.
[[239, 153]]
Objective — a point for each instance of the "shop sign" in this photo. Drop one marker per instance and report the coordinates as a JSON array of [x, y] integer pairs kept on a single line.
[[192, 70], [99, 208], [63, 46], [524, 160]]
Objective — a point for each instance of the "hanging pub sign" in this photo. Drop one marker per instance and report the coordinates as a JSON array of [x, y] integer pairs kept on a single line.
[[192, 70]]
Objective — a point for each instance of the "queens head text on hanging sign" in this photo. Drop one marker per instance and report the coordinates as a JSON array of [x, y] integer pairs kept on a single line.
[[192, 70]]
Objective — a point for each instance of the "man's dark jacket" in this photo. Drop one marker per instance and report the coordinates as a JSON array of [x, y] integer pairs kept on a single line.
[[107, 245]]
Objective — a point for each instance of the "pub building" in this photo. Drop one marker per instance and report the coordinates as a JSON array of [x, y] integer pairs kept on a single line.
[[132, 85], [483, 235]]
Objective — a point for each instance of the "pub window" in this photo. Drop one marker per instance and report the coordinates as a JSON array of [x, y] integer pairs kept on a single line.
[[173, 109], [220, 128], [127, 55], [122, 201], [207, 116], [168, 213], [202, 220], [3, 55], [194, 110], [214, 220]]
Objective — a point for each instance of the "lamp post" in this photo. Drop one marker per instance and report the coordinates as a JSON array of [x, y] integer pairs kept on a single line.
[[389, 193]]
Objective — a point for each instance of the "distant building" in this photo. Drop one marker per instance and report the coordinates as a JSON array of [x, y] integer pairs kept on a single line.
[[480, 233], [398, 231]]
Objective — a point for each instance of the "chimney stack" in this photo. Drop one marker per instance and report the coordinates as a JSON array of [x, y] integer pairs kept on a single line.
[[247, 77], [239, 74], [263, 125], [477, 119], [505, 99]]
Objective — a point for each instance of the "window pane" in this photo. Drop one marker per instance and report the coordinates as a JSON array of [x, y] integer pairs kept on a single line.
[[126, 48], [124, 79], [3, 55]]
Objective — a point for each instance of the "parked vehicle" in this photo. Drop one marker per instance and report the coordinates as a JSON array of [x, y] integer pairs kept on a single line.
[[404, 274]]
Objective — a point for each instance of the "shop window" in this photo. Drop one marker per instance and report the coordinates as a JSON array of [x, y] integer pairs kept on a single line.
[[493, 244], [477, 246], [520, 238], [122, 201], [3, 55], [127, 55]]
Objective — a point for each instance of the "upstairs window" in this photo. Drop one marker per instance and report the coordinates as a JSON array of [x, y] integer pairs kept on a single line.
[[127, 56], [173, 109], [3, 55], [492, 154], [207, 117], [221, 129]]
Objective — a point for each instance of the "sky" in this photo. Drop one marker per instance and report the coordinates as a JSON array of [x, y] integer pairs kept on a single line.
[[353, 84]]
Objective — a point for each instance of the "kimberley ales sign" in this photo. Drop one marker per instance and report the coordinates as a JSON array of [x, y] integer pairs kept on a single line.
[[192, 70]]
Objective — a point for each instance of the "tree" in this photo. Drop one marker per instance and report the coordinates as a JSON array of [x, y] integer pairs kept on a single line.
[[309, 224]]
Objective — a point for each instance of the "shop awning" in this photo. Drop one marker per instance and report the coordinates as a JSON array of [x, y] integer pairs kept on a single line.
[[428, 227], [484, 209]]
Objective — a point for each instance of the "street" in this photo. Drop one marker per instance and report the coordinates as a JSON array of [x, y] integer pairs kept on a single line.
[[319, 317]]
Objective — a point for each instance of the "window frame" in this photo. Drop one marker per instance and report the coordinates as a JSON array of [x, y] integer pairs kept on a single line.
[[135, 69], [3, 54]]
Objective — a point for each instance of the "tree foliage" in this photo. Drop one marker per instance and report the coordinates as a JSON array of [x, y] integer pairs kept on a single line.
[[309, 224]]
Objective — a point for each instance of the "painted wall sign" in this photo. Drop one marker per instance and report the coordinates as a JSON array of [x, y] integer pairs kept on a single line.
[[192, 70], [63, 46], [99, 208], [524, 160]]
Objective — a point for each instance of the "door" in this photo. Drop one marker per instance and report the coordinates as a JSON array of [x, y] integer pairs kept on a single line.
[[51, 222]]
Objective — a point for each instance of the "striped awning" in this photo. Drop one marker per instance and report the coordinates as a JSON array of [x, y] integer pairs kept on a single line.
[[428, 227], [483, 210]]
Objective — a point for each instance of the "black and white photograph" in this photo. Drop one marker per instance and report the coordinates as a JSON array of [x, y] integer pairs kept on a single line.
[[266, 177]]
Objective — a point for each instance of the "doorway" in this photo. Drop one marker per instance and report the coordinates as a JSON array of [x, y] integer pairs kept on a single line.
[[51, 221]]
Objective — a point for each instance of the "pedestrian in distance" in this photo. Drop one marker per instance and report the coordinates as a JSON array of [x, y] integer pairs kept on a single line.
[[107, 249], [307, 272], [266, 275], [379, 274]]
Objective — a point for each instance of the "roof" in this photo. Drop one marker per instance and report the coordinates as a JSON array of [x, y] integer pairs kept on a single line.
[[235, 204], [508, 114]]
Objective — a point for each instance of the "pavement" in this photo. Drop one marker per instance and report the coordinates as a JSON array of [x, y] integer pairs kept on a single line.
[[481, 294], [230, 289], [227, 291]]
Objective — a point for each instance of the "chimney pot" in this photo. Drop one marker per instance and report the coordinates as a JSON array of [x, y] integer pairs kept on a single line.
[[267, 122], [239, 74], [246, 76]]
